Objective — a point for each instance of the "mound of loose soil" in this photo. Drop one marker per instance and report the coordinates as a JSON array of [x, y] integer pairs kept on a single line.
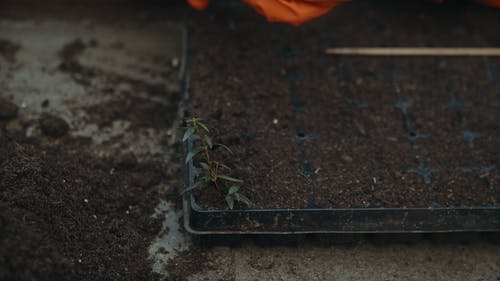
[[65, 215]]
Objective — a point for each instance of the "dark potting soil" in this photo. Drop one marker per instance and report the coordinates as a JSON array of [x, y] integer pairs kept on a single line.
[[66, 215], [310, 130], [53, 126], [66, 211]]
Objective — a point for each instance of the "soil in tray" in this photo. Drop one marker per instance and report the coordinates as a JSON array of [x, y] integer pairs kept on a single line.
[[316, 131]]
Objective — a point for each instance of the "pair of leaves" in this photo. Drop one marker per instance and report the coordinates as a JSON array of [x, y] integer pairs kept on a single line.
[[196, 122], [207, 179], [233, 195]]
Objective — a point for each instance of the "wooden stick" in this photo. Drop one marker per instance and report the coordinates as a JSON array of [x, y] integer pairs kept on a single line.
[[413, 51]]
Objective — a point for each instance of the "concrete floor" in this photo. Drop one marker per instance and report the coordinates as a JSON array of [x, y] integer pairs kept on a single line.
[[31, 80], [365, 261]]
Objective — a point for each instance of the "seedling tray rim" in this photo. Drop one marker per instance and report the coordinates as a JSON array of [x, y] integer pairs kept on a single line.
[[197, 208], [187, 207]]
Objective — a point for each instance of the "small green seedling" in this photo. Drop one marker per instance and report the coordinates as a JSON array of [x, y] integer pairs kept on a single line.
[[213, 172]]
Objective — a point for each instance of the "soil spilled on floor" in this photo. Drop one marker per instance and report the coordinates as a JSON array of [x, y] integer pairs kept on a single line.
[[86, 140], [66, 214]]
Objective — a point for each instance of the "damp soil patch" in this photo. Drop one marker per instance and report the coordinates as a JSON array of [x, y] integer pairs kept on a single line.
[[311, 131]]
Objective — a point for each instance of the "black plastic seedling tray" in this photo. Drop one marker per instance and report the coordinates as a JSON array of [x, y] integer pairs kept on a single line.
[[374, 218], [330, 220]]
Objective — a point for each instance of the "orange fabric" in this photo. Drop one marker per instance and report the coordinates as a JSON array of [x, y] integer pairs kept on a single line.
[[298, 11], [292, 11], [199, 4]]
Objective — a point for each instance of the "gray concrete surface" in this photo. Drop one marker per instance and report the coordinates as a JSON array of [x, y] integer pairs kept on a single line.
[[365, 261], [32, 79]]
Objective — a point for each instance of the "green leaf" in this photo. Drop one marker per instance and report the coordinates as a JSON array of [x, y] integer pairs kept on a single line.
[[233, 189], [208, 140], [221, 165], [189, 131], [192, 120], [195, 185], [192, 154], [243, 199], [228, 178], [204, 166], [230, 201], [203, 126], [225, 147]]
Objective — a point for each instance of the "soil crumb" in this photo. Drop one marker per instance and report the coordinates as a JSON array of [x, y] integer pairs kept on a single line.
[[71, 50], [53, 126], [8, 50], [8, 109]]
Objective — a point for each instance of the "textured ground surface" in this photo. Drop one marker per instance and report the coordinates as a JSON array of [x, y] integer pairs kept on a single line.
[[109, 73]]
